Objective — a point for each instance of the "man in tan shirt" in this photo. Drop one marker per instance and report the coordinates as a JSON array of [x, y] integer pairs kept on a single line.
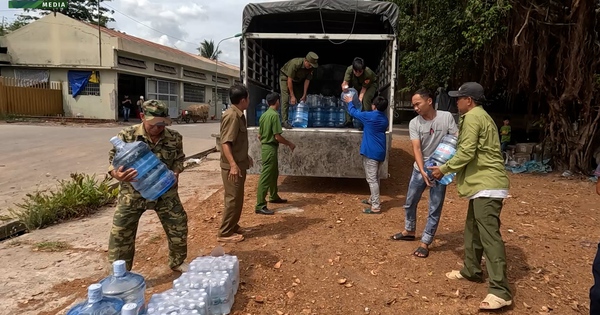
[[234, 163]]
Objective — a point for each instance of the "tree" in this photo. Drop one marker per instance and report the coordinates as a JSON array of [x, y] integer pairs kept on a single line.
[[546, 52], [551, 52], [82, 10], [13, 26], [207, 50]]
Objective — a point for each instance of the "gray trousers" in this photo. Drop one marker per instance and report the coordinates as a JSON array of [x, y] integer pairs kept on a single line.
[[372, 175]]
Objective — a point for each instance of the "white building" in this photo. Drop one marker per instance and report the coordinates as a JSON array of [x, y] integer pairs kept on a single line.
[[56, 47]]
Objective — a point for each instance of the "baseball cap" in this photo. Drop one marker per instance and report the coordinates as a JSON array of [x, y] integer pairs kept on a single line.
[[313, 59], [156, 113], [473, 90]]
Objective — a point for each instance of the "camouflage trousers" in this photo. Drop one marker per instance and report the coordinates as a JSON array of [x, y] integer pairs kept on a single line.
[[121, 244]]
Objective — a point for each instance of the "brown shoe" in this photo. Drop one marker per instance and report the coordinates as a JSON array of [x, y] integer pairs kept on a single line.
[[233, 238]]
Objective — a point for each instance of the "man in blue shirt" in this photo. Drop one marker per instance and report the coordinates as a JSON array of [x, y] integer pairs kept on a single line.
[[373, 147]]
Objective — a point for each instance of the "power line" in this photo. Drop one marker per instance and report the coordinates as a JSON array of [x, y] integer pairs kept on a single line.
[[160, 32]]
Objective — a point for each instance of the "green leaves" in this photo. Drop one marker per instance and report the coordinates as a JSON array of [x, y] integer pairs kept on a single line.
[[438, 39]]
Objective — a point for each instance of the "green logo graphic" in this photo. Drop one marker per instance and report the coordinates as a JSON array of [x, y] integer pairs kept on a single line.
[[38, 4]]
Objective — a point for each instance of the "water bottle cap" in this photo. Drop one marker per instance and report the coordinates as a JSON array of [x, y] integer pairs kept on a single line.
[[94, 293], [129, 309], [119, 268]]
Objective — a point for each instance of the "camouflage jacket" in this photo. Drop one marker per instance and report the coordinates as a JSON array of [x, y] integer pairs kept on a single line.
[[169, 149]]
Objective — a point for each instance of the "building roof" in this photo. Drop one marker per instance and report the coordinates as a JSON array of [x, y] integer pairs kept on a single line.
[[167, 49]]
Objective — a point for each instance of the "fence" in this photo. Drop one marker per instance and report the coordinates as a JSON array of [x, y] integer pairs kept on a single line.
[[26, 97]]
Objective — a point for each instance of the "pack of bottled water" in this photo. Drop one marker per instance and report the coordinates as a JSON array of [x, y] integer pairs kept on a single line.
[[208, 288]]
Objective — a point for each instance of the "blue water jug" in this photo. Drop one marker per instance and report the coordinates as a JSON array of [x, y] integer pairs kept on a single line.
[[97, 304], [331, 116], [291, 113], [318, 122], [128, 286], [130, 309], [301, 117], [356, 102], [261, 109], [153, 178], [444, 152]]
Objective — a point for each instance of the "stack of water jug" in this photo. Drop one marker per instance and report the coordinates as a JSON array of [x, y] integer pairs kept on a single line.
[[120, 293], [318, 111], [208, 288]]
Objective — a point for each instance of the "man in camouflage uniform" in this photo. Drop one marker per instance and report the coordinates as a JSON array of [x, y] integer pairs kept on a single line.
[[167, 145], [294, 81]]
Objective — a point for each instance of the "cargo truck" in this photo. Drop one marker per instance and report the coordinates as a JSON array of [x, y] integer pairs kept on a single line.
[[338, 31]]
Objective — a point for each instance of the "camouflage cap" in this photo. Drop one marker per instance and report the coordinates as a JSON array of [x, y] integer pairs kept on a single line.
[[156, 113], [313, 59]]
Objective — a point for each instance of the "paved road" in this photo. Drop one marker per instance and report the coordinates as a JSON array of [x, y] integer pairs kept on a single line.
[[35, 156]]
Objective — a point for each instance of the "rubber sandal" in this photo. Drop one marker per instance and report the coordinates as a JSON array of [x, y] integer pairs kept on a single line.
[[493, 303], [454, 275], [369, 211], [366, 201], [424, 252], [402, 237]]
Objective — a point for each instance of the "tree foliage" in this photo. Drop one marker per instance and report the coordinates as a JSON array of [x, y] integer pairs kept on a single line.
[[545, 50], [82, 10], [12, 26], [438, 39], [207, 49]]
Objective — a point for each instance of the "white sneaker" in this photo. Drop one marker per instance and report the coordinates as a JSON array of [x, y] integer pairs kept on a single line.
[[184, 267]]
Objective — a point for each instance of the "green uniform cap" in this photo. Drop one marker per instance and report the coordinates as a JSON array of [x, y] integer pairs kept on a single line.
[[156, 113], [313, 59]]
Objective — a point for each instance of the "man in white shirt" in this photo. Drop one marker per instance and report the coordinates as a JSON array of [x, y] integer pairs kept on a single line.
[[426, 132]]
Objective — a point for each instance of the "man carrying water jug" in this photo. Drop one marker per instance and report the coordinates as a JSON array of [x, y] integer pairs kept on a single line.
[[481, 177], [426, 132], [363, 80], [294, 81], [269, 134], [167, 145]]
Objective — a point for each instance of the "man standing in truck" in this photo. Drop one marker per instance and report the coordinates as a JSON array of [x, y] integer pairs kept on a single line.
[[363, 80], [269, 133], [294, 81]]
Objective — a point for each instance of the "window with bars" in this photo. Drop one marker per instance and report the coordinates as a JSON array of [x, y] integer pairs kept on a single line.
[[194, 93], [164, 68], [90, 89], [222, 96]]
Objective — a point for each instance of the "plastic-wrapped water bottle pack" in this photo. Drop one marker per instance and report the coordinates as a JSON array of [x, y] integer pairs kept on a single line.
[[208, 288]]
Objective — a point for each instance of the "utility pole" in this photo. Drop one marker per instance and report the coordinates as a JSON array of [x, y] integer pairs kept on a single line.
[[99, 35]]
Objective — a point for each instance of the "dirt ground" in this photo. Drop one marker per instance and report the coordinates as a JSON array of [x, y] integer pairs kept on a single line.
[[293, 263]]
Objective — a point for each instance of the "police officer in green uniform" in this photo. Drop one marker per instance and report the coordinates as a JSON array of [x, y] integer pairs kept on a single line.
[[269, 133], [363, 80], [167, 145], [294, 81]]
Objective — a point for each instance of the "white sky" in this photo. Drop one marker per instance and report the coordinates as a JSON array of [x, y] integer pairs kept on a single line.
[[181, 24]]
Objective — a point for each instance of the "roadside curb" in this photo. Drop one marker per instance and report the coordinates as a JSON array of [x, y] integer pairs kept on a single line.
[[11, 228]]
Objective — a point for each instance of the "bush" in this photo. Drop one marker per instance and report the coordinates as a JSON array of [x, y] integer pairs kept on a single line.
[[77, 197]]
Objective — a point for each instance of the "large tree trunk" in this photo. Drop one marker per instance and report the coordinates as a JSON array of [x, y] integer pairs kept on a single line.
[[552, 50]]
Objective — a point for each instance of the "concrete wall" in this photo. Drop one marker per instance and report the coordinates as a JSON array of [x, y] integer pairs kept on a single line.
[[58, 41], [326, 152], [90, 106]]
